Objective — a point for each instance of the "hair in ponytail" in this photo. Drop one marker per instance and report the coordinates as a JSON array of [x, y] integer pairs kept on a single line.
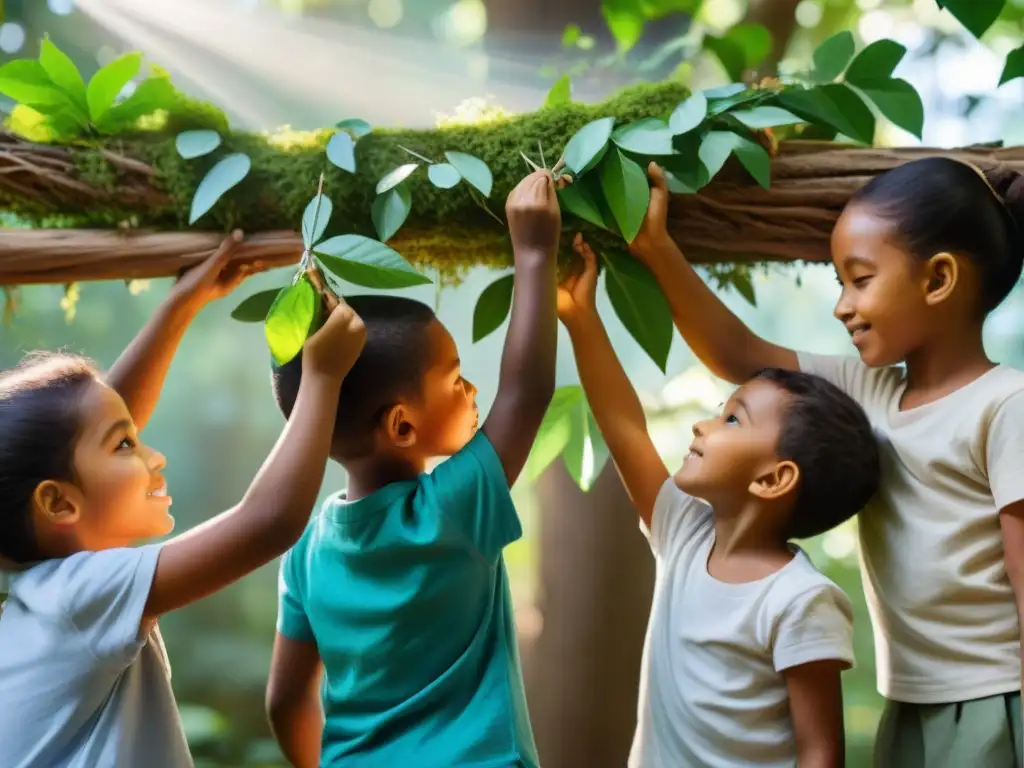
[[938, 204]]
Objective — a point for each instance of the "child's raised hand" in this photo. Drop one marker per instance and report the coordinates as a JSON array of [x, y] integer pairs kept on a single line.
[[216, 277], [534, 218], [577, 295], [334, 349], [653, 235]]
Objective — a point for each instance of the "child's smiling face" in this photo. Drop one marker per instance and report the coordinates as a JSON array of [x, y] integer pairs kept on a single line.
[[119, 494], [735, 450]]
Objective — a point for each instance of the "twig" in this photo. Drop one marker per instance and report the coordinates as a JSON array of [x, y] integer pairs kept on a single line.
[[416, 155], [540, 149], [483, 205], [529, 162]]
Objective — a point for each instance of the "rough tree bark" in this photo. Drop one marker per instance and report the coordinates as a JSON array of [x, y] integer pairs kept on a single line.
[[732, 220]]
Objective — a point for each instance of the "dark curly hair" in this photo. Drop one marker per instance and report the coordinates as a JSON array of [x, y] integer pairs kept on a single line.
[[828, 436], [40, 417]]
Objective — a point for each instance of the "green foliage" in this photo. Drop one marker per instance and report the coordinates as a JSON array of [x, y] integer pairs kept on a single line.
[[640, 304], [390, 211], [740, 49], [223, 176], [976, 15], [290, 319], [193, 144], [492, 307], [366, 262], [570, 431], [256, 308], [560, 93], [1014, 66], [341, 150]]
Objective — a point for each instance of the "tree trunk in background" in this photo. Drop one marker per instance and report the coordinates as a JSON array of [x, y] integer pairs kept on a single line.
[[594, 595], [779, 18]]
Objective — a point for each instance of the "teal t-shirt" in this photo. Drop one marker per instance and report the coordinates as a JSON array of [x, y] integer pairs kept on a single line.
[[406, 596]]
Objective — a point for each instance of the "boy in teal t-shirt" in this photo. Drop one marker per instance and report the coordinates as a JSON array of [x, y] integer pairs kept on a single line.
[[396, 641]]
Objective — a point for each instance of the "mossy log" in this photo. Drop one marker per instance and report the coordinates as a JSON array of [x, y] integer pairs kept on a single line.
[[139, 187]]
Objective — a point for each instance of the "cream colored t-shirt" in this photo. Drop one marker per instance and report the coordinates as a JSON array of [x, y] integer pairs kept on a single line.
[[712, 690], [943, 612]]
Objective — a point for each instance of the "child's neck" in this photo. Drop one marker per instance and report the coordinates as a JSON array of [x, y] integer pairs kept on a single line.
[[749, 544], [370, 475], [948, 363]]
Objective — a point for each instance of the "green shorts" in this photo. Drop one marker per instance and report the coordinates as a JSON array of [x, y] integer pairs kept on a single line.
[[983, 733]]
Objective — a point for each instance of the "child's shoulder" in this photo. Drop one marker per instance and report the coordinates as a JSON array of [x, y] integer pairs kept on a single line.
[[801, 582]]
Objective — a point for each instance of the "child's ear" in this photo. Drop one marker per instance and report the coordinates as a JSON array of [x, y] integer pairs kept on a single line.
[[56, 502], [399, 426], [941, 273], [783, 479]]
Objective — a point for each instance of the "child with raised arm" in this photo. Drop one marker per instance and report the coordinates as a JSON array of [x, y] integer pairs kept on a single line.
[[746, 640], [84, 679], [923, 254], [396, 642]]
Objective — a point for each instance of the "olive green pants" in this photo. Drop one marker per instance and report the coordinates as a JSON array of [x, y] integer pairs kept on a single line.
[[983, 733]]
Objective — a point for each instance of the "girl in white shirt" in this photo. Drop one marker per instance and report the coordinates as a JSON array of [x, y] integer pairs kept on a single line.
[[923, 253]]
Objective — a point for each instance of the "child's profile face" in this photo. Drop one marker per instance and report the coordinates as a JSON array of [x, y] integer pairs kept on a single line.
[[735, 449], [119, 489], [447, 416], [882, 304]]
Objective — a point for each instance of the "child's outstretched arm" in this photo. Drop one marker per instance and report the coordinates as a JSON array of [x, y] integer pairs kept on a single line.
[[274, 511], [816, 705], [719, 338], [527, 378], [138, 375], [616, 407]]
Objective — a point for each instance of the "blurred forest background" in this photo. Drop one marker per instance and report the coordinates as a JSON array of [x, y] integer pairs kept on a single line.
[[582, 573]]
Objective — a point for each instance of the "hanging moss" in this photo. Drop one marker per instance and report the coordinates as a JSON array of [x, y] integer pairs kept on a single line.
[[447, 229]]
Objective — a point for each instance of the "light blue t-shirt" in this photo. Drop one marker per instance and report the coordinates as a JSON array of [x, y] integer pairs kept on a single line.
[[80, 685], [406, 596]]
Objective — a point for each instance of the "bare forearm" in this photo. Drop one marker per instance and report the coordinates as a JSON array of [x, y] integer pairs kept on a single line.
[[618, 412], [719, 339], [527, 377], [298, 730], [138, 374]]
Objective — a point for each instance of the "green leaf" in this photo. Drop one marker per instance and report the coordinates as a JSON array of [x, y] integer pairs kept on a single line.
[[289, 320], [834, 105], [648, 136], [743, 47], [570, 35], [718, 145], [358, 128], [396, 177], [315, 220], [1014, 66], [745, 287], [637, 299], [578, 199], [341, 151], [554, 432], [109, 81], [897, 100], [368, 263], [976, 15], [724, 91], [689, 114], [222, 177], [192, 144], [766, 117], [574, 453], [492, 307], [717, 106], [598, 453], [390, 211], [63, 72], [444, 175], [473, 170], [26, 82], [153, 93], [256, 308], [625, 187], [625, 21], [688, 182], [878, 60], [560, 93], [833, 56], [586, 148]]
